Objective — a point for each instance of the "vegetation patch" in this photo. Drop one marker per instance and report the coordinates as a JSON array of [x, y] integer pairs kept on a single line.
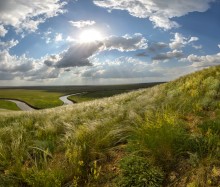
[[167, 135], [136, 171], [8, 105]]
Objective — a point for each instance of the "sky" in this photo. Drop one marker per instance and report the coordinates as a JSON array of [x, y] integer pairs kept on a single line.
[[96, 42]]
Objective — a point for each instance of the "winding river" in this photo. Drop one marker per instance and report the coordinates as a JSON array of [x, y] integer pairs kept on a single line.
[[65, 99], [23, 106]]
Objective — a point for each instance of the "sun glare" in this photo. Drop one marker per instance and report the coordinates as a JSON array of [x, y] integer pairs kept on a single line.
[[90, 35]]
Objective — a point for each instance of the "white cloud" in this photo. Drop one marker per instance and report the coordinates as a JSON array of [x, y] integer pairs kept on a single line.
[[42, 73], [14, 65], [125, 43], [158, 11], [3, 31], [77, 55], [197, 46], [218, 45], [193, 39], [82, 23], [58, 37], [155, 47], [23, 68], [47, 37], [27, 15], [204, 61], [70, 39], [50, 36], [180, 41], [169, 55], [120, 68], [8, 45]]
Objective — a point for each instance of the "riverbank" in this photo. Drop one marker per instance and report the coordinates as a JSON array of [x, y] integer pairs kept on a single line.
[[27, 107]]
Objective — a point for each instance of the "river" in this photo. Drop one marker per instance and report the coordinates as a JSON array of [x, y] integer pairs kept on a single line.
[[23, 106], [65, 99]]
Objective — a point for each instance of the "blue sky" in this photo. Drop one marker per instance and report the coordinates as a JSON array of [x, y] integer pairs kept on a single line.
[[77, 42]]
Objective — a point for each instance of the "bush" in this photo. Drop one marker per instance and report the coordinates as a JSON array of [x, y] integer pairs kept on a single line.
[[136, 171]]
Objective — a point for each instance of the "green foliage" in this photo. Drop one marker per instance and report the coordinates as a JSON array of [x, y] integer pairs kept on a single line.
[[35, 177], [136, 171], [207, 143], [8, 105], [48, 97], [95, 95], [36, 98], [163, 142], [170, 134]]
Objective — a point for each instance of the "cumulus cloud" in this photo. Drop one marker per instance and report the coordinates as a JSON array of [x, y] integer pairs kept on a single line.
[[76, 55], [82, 23], [51, 36], [24, 68], [158, 11], [125, 43], [43, 72], [6, 76], [8, 44], [218, 45], [122, 67], [3, 31], [204, 61], [27, 15], [180, 41], [58, 37], [11, 64], [142, 54], [51, 66], [192, 39], [79, 53], [169, 55], [154, 47]]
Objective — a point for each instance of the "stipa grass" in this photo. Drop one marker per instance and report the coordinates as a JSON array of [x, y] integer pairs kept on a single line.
[[169, 128]]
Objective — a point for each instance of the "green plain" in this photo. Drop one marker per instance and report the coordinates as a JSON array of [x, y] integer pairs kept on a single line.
[[48, 96], [36, 98], [95, 95], [8, 105]]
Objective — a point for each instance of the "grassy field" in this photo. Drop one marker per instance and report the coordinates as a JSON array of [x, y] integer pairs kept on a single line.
[[168, 135], [48, 96], [8, 105], [36, 98], [89, 96]]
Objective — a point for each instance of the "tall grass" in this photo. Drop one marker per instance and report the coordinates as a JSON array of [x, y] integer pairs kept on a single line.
[[169, 135]]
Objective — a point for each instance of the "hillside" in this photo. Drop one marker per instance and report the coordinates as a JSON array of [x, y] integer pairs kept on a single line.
[[168, 135]]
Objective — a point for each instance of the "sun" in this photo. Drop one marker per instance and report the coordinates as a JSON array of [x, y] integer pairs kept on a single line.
[[90, 35]]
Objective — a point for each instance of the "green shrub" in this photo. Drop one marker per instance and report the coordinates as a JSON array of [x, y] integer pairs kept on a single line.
[[44, 178], [161, 138], [136, 171], [207, 143]]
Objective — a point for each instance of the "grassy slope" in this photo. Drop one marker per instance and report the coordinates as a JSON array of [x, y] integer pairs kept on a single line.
[[8, 105], [166, 135]]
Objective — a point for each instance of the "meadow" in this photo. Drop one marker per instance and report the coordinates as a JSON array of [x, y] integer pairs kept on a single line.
[[8, 105], [48, 96], [167, 135]]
